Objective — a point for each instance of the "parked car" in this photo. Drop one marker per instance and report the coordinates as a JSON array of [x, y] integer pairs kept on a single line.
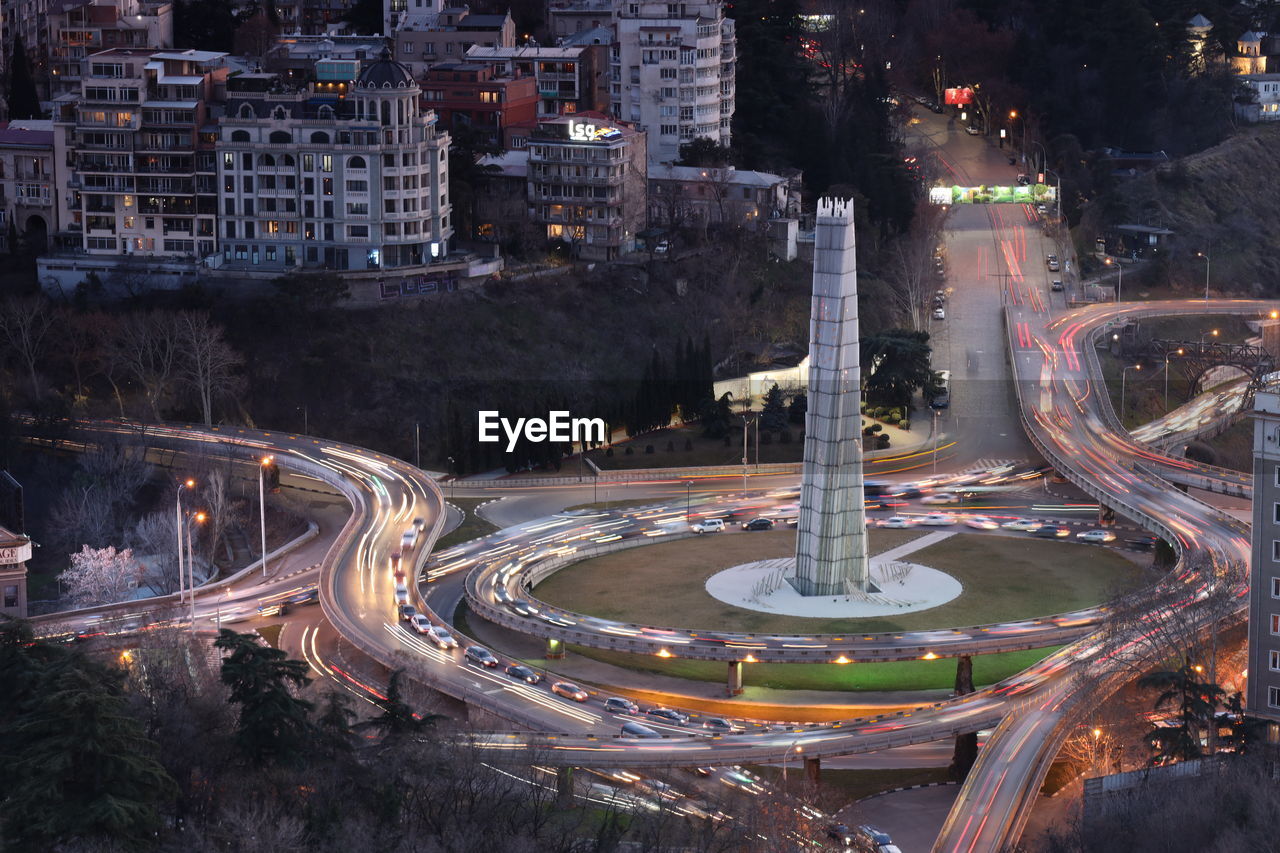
[[941, 498], [981, 522], [1024, 180], [839, 832], [661, 247], [1056, 286], [939, 313], [1142, 543], [719, 725], [441, 637], [619, 705], [938, 519], [1052, 262], [481, 655], [569, 690], [898, 521], [638, 730], [668, 716], [869, 839], [1098, 537], [1051, 531], [520, 672], [708, 525], [406, 612], [973, 131], [420, 623], [758, 524], [1041, 209], [1026, 524]]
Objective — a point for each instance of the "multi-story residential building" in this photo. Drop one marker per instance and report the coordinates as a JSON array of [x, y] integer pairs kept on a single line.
[[480, 99], [345, 177], [701, 195], [79, 28], [301, 55], [1265, 103], [673, 72], [565, 18], [587, 183], [1262, 696], [423, 39], [570, 80], [139, 145], [28, 185]]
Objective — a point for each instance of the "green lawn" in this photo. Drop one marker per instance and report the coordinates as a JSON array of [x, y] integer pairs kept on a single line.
[[1004, 578], [472, 527], [893, 675]]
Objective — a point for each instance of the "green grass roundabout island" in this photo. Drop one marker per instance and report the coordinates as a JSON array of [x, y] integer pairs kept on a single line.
[[1005, 578]]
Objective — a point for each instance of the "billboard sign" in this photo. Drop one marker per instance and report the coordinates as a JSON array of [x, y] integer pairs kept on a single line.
[[958, 97], [1034, 194]]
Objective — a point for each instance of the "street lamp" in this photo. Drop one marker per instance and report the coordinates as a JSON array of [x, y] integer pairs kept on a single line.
[[452, 476], [1166, 376], [1205, 255], [1214, 333], [199, 518], [688, 496], [177, 516], [262, 507], [1124, 371], [1120, 286], [1044, 167]]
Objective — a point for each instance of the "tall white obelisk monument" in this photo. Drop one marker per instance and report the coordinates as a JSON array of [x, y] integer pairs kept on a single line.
[[831, 545]]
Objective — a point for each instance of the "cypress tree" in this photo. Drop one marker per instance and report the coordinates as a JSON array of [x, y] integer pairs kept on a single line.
[[24, 103]]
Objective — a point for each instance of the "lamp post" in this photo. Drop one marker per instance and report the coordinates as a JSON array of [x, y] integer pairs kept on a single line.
[[305, 426], [1166, 377], [199, 518], [688, 496], [262, 508], [1044, 167], [746, 428], [1120, 286], [452, 476], [1124, 371], [177, 517], [1205, 255], [1213, 333]]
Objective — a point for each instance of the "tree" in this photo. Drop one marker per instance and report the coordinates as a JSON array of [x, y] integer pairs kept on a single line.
[[798, 409], [307, 294], [24, 102], [24, 324], [273, 725], [156, 535], [773, 416], [78, 766], [717, 416], [895, 364], [101, 576], [1196, 703], [148, 349], [210, 365], [397, 719], [704, 151]]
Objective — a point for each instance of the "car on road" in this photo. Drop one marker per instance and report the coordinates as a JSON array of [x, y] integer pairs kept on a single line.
[[1051, 531], [569, 690], [1142, 543], [981, 522], [420, 623], [619, 705], [522, 607], [758, 524], [419, 523], [1098, 537], [973, 131], [408, 539], [520, 672], [720, 725], [1056, 286], [481, 655], [638, 730], [898, 521], [941, 498], [1026, 524], [839, 832], [442, 638], [938, 519], [1024, 180], [1052, 262], [869, 839], [406, 612], [667, 715], [939, 313], [940, 295], [708, 525], [1041, 209], [394, 560], [402, 592]]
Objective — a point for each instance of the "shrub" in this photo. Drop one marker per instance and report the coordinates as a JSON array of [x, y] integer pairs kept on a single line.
[[870, 430], [882, 442], [630, 450], [877, 427], [904, 424], [784, 437], [648, 449]]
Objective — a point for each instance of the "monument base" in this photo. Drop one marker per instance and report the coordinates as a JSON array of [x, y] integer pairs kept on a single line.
[[810, 589]]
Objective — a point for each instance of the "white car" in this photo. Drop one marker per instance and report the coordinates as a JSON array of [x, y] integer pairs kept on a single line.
[[708, 525], [981, 522], [939, 313], [941, 498], [899, 521], [1022, 524], [402, 593], [420, 623], [409, 539], [938, 519], [1097, 536], [973, 131], [441, 637]]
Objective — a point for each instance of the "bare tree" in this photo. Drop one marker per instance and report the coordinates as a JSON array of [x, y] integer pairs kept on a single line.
[[910, 268], [222, 508], [209, 365], [25, 323], [148, 349], [156, 535]]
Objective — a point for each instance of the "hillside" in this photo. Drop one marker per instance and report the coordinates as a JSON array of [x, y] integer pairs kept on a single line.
[[1221, 201]]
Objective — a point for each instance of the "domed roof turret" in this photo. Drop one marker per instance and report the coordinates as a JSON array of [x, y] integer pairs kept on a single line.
[[385, 73]]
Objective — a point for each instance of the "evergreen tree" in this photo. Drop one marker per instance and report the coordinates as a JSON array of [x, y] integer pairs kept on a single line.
[[895, 365], [273, 726], [24, 103], [773, 416], [798, 409], [397, 719], [334, 728]]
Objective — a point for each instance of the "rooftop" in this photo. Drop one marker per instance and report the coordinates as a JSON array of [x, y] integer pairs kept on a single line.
[[25, 135], [738, 177], [479, 52]]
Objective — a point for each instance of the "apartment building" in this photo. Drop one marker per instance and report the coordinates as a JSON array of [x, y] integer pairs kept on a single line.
[[566, 18], [27, 20], [1262, 695], [673, 72], [28, 185], [587, 183], [347, 176], [423, 39], [702, 195], [570, 80], [479, 99], [80, 28], [138, 141]]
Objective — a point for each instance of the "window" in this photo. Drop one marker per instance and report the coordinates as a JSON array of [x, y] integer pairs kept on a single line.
[[357, 186], [229, 162], [488, 97], [1275, 587], [359, 208], [1273, 660], [357, 163], [11, 595], [668, 73], [239, 136], [319, 137], [1275, 550], [1275, 513], [280, 137], [271, 254], [668, 130], [1275, 624], [1273, 697], [326, 162], [1278, 475], [327, 183], [407, 48]]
